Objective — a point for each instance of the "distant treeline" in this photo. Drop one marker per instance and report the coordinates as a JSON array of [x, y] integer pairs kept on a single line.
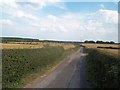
[[100, 42], [15, 39], [74, 42]]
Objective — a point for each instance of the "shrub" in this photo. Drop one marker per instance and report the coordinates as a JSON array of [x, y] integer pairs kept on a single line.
[[103, 69], [17, 63]]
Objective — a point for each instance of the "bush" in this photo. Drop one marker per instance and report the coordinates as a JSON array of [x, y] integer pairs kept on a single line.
[[17, 63], [103, 69]]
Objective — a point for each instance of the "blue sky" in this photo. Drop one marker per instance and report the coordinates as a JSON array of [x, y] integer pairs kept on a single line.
[[72, 21]]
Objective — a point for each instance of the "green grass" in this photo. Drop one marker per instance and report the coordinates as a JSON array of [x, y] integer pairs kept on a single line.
[[103, 69], [20, 66], [0, 71]]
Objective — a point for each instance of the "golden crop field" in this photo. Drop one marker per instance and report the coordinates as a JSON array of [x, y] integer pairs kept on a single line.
[[33, 45], [114, 51], [65, 46], [102, 45], [20, 46]]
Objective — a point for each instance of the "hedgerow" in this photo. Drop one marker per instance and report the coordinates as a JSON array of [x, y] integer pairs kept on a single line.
[[17, 63], [103, 69]]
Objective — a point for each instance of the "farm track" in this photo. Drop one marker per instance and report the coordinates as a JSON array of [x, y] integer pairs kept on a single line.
[[71, 73]]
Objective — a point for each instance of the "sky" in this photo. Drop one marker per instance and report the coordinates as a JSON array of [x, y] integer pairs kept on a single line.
[[57, 20]]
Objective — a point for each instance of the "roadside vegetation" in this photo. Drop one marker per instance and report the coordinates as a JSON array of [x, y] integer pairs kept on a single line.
[[21, 66], [15, 39], [103, 68]]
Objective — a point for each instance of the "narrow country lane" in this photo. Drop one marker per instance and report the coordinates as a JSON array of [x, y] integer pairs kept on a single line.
[[71, 73]]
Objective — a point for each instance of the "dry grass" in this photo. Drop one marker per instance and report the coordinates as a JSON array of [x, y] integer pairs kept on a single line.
[[102, 45], [65, 46], [113, 51], [22, 45]]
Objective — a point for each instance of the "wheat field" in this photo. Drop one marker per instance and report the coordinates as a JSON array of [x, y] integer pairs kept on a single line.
[[113, 51], [29, 45]]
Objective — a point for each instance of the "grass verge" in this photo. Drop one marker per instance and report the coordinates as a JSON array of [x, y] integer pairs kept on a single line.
[[103, 69], [21, 66]]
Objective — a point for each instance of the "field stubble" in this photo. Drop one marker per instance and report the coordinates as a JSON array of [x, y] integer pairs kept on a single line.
[[112, 51], [29, 45]]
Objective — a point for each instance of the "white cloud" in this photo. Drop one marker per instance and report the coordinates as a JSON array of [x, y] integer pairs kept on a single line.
[[74, 23], [7, 1], [22, 14], [39, 4], [52, 17], [63, 23], [14, 11], [73, 26], [65, 27], [109, 16], [13, 8], [93, 25], [5, 22]]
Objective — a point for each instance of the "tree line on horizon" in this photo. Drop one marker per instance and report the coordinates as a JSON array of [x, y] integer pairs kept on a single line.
[[100, 42], [15, 39]]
